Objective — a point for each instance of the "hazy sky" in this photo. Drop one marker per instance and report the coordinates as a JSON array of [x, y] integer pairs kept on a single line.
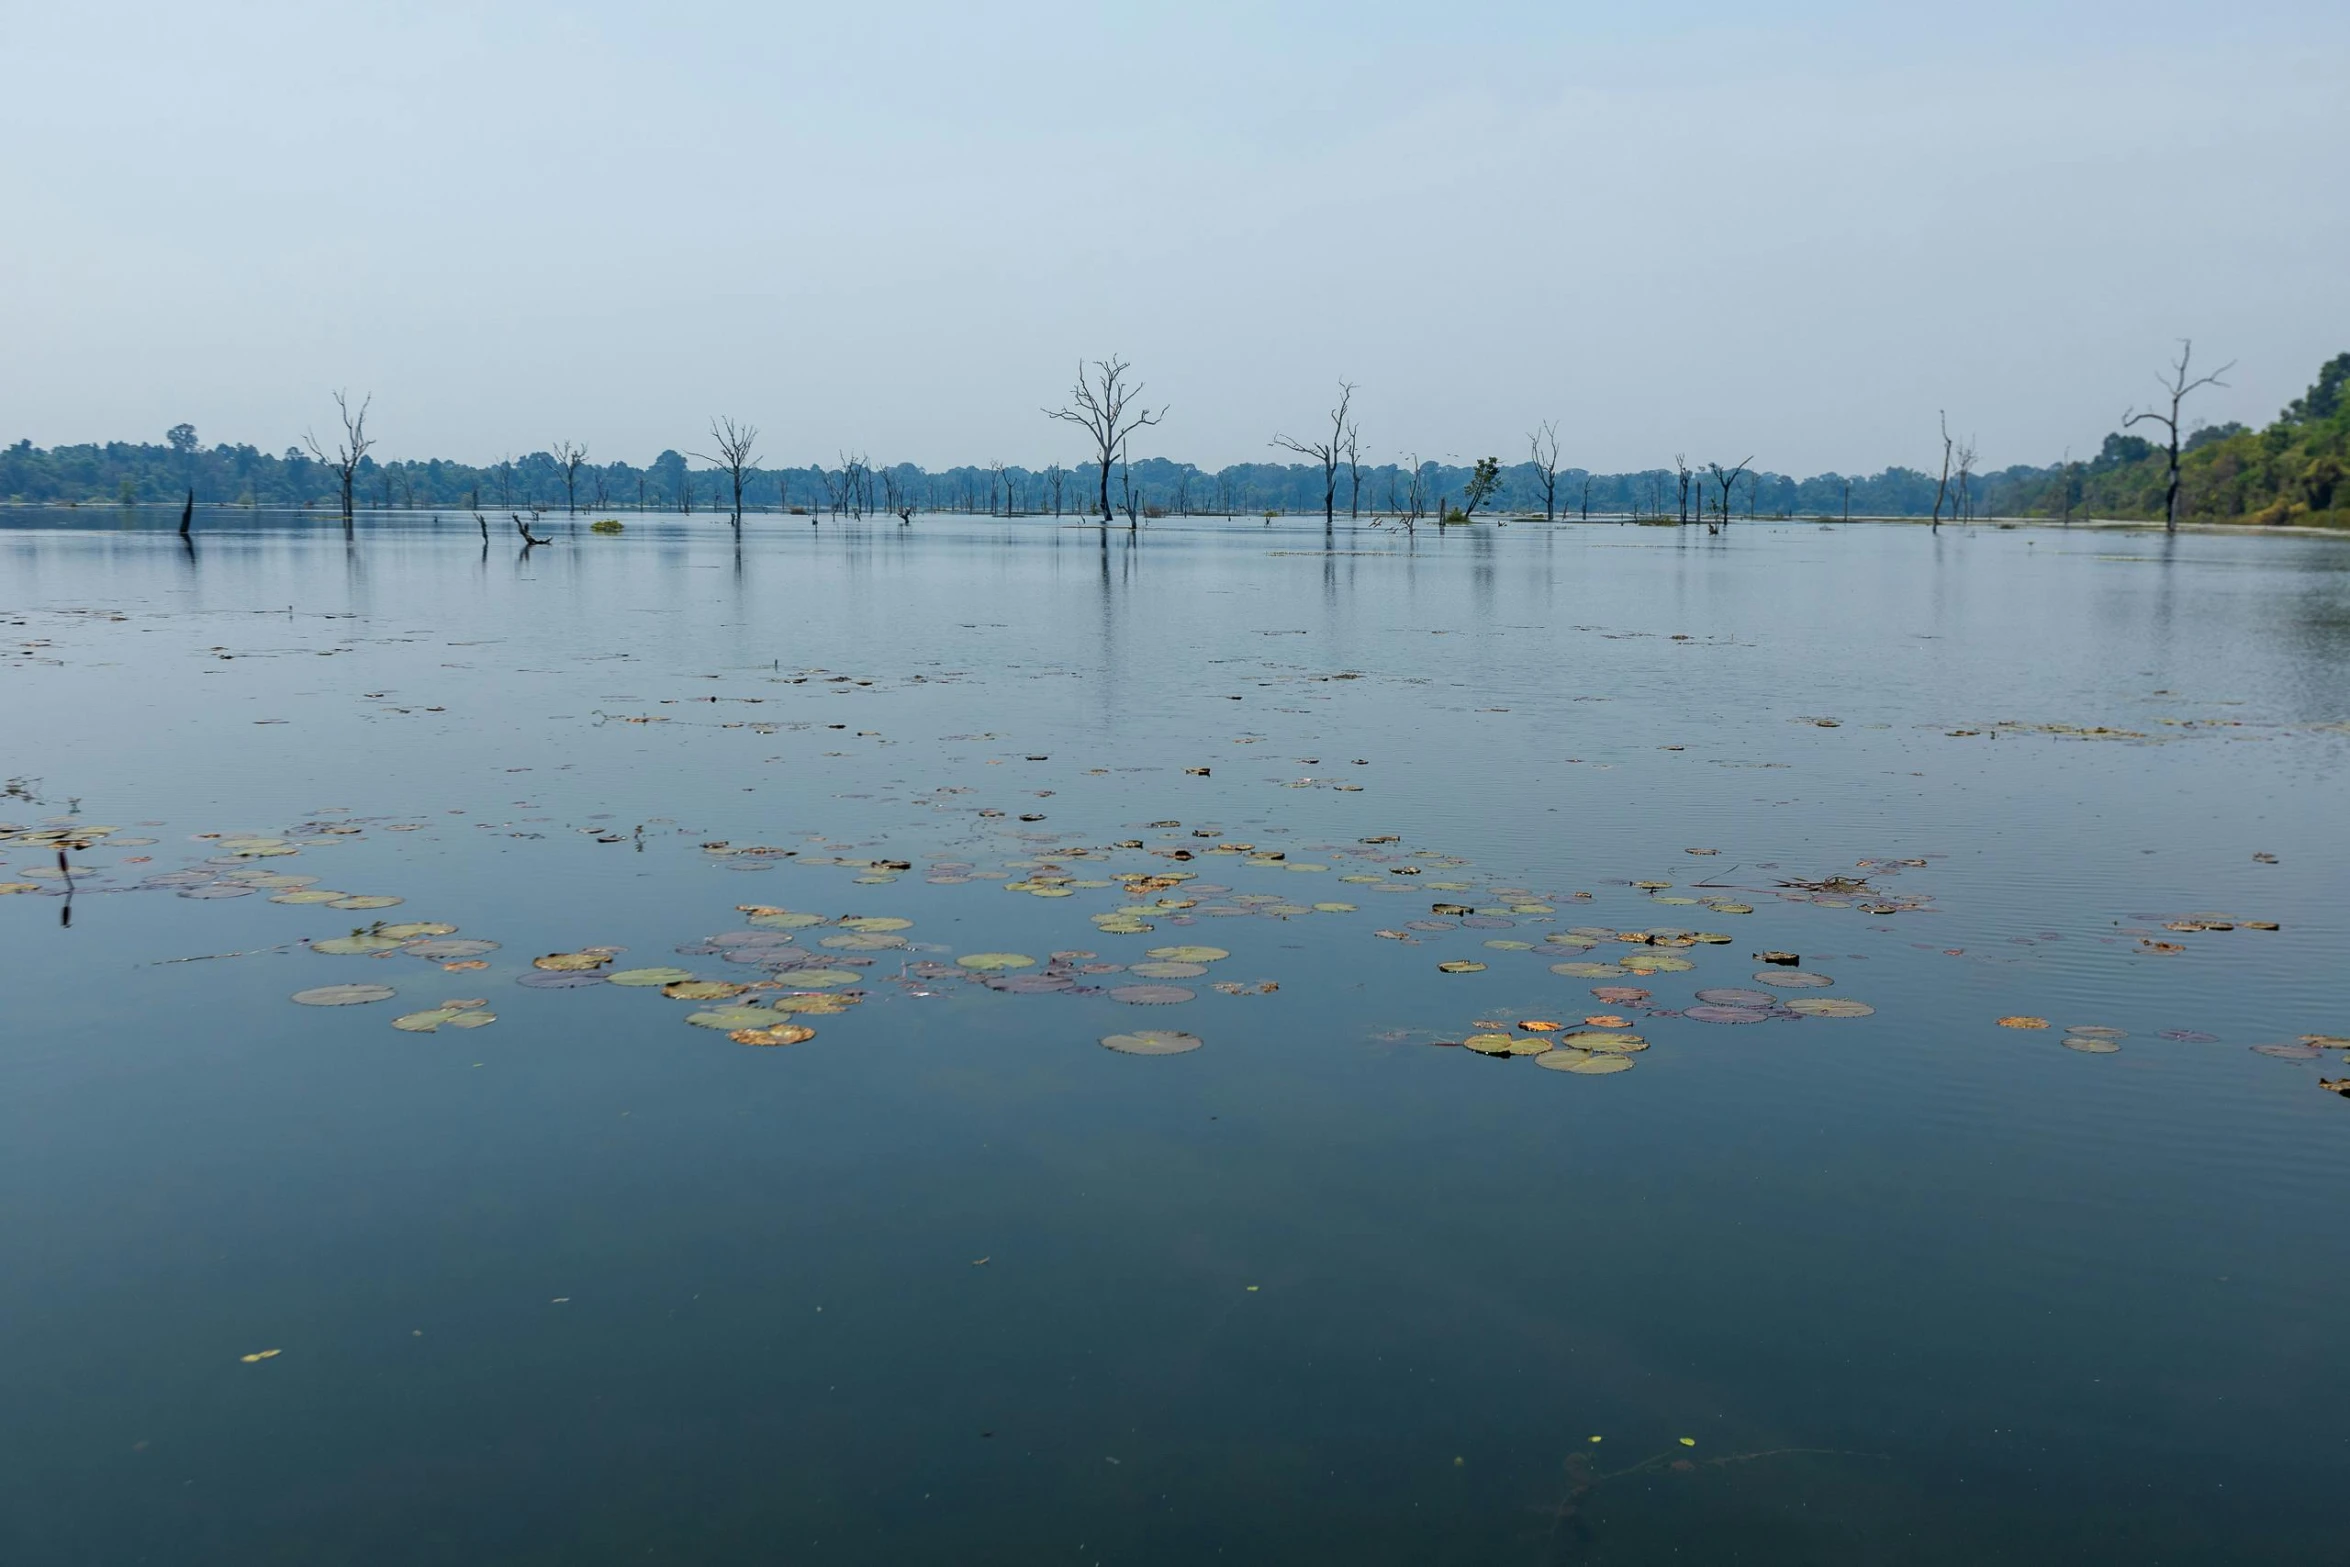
[[1796, 230]]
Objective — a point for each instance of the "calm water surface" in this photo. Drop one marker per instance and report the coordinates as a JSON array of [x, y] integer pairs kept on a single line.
[[950, 1281]]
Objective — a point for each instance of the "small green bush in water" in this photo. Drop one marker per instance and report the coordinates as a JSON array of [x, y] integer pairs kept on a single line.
[[608, 525]]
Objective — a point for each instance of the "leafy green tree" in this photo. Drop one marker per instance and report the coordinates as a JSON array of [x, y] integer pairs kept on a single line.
[[1484, 479]]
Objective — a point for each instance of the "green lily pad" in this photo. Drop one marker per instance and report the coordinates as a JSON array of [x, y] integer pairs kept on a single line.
[[823, 978], [1151, 1042], [1830, 1006], [728, 1019], [648, 978], [352, 946], [343, 995]]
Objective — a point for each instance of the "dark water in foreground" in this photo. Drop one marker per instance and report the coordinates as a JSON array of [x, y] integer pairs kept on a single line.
[[949, 1281]]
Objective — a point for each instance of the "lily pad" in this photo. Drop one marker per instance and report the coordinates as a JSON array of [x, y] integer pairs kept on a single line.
[[875, 924], [785, 920], [349, 946], [425, 1022], [1583, 1063], [2090, 1044], [728, 1019], [777, 1034], [1724, 997], [558, 980], [1792, 979], [2020, 1021], [366, 901], [1587, 970], [1189, 954], [343, 995], [571, 962], [415, 928], [702, 990], [1151, 995], [473, 1019], [309, 895], [824, 978], [1167, 970], [1460, 966], [649, 978], [2096, 1031], [1491, 1044], [814, 1004], [1602, 1041], [2283, 1052], [1717, 1014], [1151, 1042], [859, 941], [990, 962], [1630, 995], [1830, 1006], [439, 951]]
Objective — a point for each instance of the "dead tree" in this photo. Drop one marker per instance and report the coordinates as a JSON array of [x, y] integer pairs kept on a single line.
[[1545, 443], [569, 457], [1727, 478], [1328, 453], [1415, 497], [734, 442], [1681, 467], [353, 447], [1099, 407], [2176, 389], [1943, 488], [1354, 473], [188, 514], [1965, 508], [529, 541], [485, 529]]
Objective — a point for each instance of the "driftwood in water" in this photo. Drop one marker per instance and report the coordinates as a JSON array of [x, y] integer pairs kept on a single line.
[[485, 526], [523, 528]]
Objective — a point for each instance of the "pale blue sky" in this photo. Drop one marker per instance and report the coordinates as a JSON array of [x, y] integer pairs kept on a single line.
[[1795, 230]]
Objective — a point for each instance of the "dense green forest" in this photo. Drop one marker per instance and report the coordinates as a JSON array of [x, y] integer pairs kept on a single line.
[[2295, 471]]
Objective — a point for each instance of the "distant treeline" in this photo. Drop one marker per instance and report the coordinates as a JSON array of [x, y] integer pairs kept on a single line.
[[2297, 470]]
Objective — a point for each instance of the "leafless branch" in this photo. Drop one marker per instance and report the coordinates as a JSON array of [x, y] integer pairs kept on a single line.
[[1100, 407]]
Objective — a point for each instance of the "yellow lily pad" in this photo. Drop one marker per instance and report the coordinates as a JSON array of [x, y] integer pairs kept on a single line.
[[702, 990], [778, 1034]]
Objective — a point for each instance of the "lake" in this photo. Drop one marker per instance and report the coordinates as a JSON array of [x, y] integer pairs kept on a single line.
[[1943, 1173]]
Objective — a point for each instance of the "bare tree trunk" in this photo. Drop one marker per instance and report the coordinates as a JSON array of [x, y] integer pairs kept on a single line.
[[1943, 488], [2177, 388], [1099, 408]]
